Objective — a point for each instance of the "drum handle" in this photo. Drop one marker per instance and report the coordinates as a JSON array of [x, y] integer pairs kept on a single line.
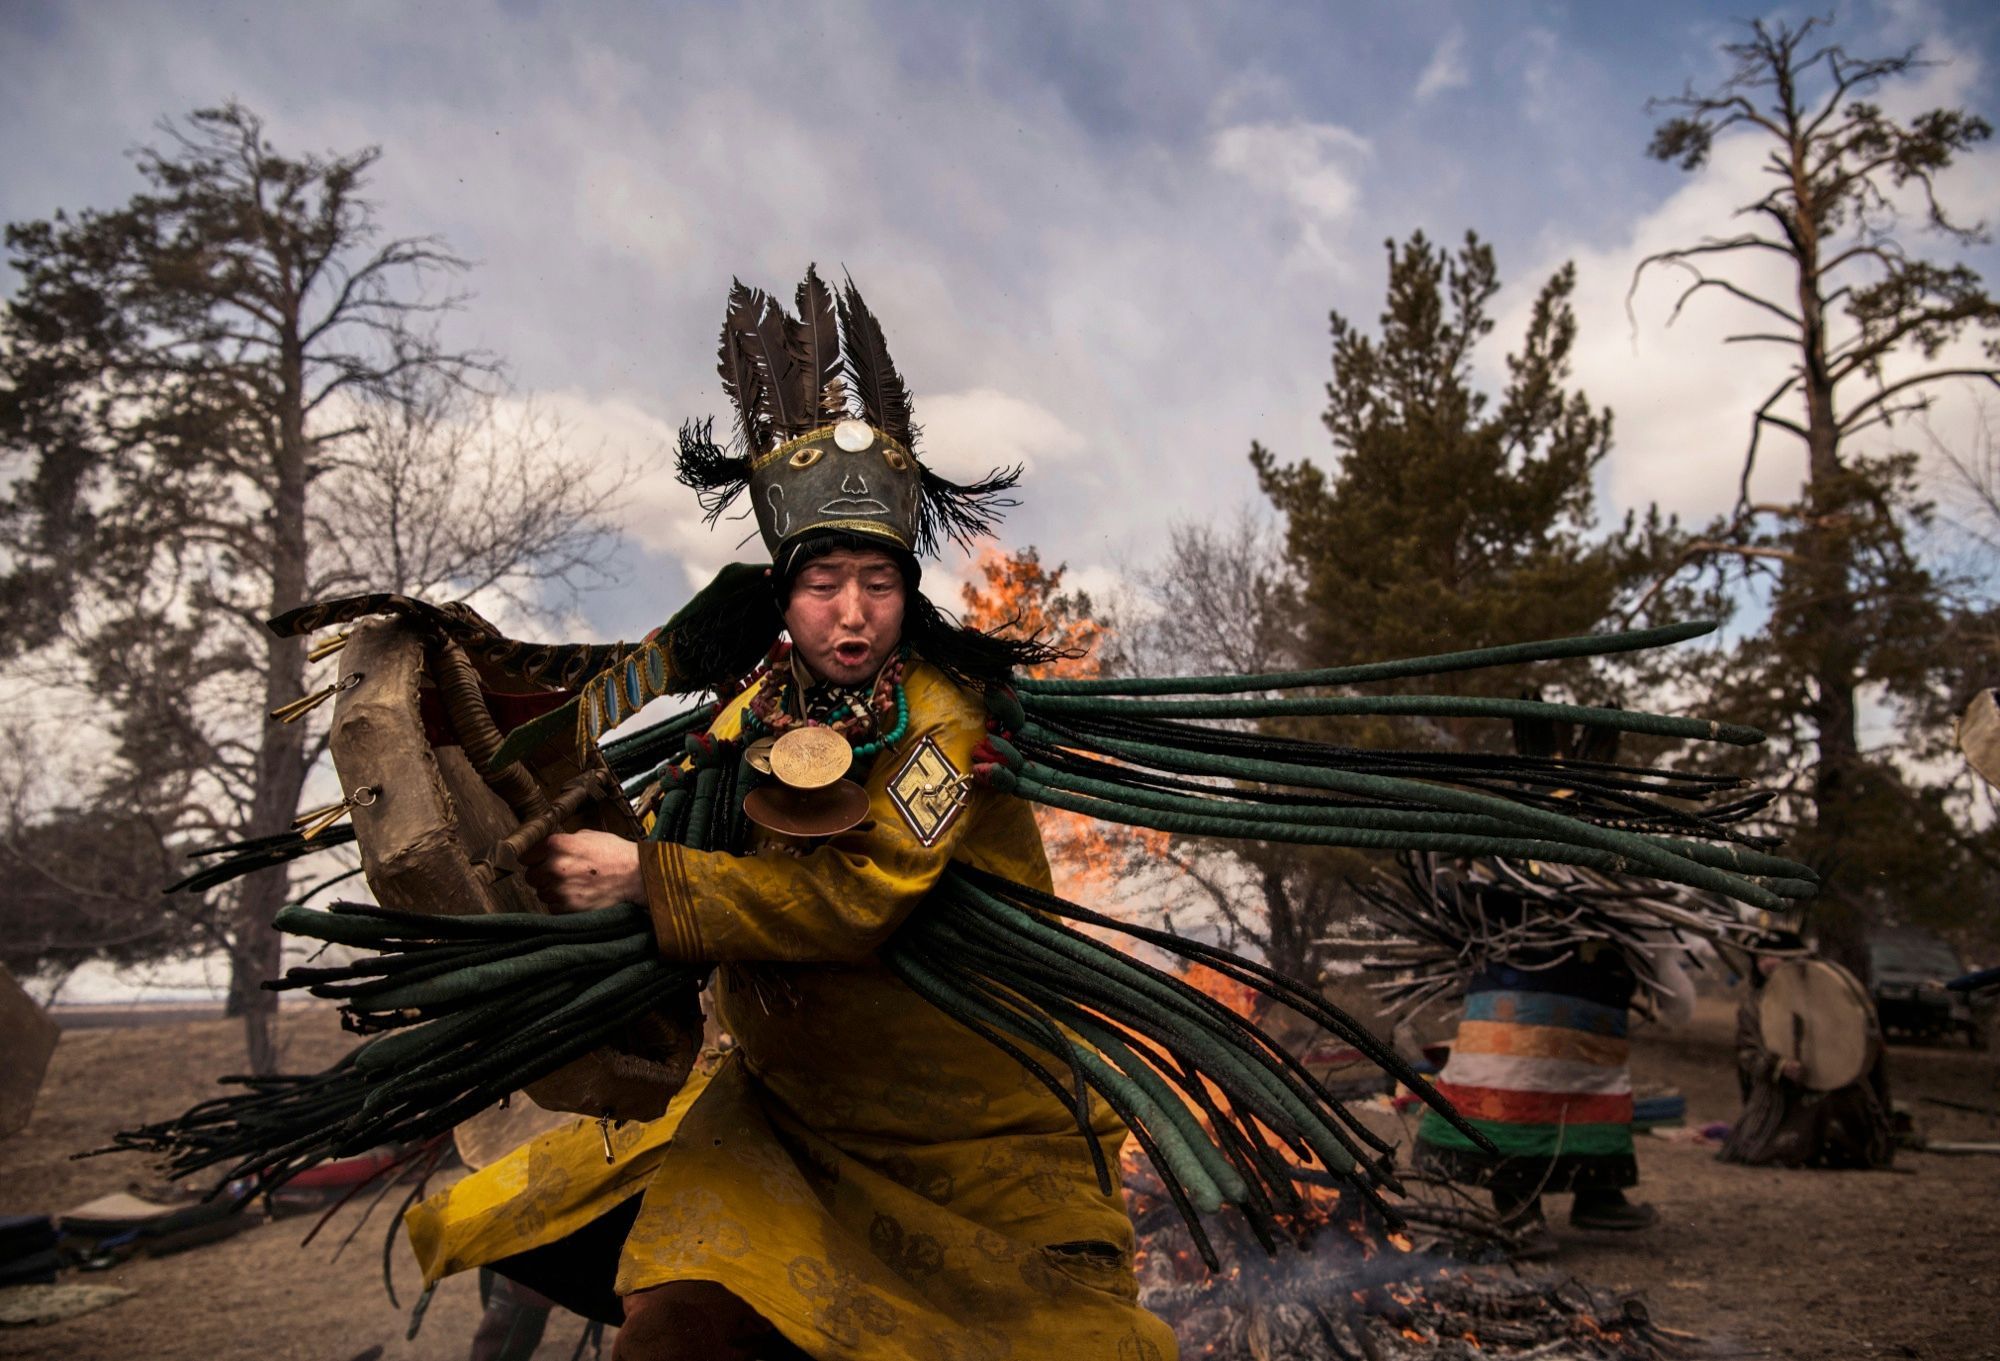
[[479, 735], [505, 858]]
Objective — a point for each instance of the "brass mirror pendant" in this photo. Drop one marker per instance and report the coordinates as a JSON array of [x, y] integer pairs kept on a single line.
[[812, 796]]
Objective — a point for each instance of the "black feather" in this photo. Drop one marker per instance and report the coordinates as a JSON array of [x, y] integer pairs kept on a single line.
[[883, 397], [742, 378], [961, 512], [717, 476], [819, 333], [785, 400]]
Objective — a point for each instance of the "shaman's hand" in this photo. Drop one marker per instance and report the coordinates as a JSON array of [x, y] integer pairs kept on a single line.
[[583, 871]]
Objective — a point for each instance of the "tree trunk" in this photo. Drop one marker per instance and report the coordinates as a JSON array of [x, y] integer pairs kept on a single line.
[[1288, 948], [1826, 602], [258, 953]]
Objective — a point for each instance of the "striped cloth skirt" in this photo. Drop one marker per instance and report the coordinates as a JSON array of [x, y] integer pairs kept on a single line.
[[1539, 1066]]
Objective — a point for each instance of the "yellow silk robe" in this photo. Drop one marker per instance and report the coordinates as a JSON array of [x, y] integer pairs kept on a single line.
[[869, 1175]]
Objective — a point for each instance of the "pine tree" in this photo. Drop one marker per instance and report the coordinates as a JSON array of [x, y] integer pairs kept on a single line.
[[1451, 520]]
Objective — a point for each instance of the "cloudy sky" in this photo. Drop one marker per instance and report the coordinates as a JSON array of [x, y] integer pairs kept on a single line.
[[1104, 237]]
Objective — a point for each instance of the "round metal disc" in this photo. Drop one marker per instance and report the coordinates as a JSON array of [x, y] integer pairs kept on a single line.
[[811, 758], [853, 436], [807, 812], [758, 754]]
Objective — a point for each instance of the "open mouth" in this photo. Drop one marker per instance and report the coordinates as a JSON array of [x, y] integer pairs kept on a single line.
[[853, 654], [853, 505]]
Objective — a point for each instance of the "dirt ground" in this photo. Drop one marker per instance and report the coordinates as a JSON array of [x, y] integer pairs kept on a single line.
[[1903, 1263]]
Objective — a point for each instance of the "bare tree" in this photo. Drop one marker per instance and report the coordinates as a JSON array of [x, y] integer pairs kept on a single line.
[[1865, 322], [1220, 599], [204, 396], [446, 489], [1971, 490]]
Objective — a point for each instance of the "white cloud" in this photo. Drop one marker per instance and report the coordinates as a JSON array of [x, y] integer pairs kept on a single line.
[[1536, 54], [966, 433], [1308, 164], [1446, 69], [1310, 168], [1120, 294], [659, 514]]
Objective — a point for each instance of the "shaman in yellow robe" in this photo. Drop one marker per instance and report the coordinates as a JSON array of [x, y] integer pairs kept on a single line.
[[869, 1175]]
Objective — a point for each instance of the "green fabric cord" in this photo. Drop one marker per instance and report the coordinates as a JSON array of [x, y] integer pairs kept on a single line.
[[413, 1043], [1642, 854], [1144, 997], [1361, 827], [450, 1073], [1513, 654], [1125, 1096], [1226, 1179], [702, 811], [1426, 706], [1443, 842], [1230, 1029], [482, 979]]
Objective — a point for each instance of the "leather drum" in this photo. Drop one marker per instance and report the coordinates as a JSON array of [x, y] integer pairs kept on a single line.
[[415, 728], [1817, 1013]]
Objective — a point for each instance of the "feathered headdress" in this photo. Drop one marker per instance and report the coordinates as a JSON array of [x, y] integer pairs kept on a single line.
[[825, 435]]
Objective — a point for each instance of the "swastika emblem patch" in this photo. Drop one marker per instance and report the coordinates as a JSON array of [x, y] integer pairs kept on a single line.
[[928, 791]]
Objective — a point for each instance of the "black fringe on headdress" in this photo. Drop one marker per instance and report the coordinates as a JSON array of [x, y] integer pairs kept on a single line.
[[717, 476], [726, 631], [972, 659], [961, 512]]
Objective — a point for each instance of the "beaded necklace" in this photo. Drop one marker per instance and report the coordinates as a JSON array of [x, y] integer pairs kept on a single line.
[[851, 714]]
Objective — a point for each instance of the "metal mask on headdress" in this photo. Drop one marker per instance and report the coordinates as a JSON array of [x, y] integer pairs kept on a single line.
[[824, 426], [847, 476]]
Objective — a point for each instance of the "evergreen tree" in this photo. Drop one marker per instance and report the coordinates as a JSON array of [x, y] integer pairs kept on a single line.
[[1450, 520]]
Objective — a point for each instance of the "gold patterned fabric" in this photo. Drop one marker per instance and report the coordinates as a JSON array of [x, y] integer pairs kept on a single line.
[[870, 1176]]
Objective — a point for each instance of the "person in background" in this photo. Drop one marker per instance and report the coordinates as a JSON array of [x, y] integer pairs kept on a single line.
[[1540, 1066], [1787, 1124]]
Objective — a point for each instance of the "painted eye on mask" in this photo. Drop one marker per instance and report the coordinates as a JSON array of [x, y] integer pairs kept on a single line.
[[807, 456], [895, 460]]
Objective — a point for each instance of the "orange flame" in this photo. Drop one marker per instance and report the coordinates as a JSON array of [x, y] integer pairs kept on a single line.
[[1022, 597]]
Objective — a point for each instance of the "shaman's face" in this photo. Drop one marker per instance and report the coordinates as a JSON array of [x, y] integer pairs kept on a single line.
[[845, 615], [849, 476]]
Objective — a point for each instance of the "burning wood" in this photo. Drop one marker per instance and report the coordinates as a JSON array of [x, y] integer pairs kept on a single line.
[[1346, 1289]]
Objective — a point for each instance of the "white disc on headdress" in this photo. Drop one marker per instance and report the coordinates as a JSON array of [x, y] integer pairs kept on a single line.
[[1817, 1013], [1979, 736], [853, 436]]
